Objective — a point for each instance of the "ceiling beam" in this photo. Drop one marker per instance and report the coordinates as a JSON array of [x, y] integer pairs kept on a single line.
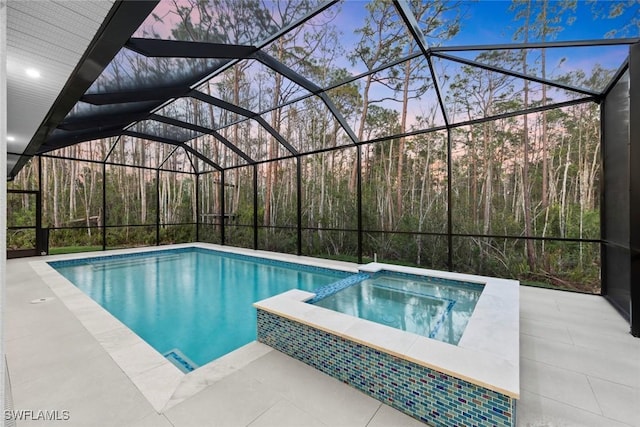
[[404, 10], [280, 68], [616, 77], [66, 139], [159, 48], [307, 84], [536, 45], [150, 137], [169, 155], [530, 110], [517, 74], [246, 113], [169, 141], [151, 94], [205, 130], [102, 121]]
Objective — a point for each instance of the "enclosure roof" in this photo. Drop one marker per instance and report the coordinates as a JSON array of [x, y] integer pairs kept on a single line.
[[215, 80]]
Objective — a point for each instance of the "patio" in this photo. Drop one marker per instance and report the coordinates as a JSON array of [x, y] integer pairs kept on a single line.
[[578, 368]]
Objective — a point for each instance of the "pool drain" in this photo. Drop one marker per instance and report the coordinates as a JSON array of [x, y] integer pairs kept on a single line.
[[386, 318], [181, 361], [41, 300]]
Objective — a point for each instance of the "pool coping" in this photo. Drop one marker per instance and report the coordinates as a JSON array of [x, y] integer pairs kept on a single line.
[[486, 355], [159, 380]]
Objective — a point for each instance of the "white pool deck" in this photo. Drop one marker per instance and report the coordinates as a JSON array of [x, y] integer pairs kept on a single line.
[[578, 364]]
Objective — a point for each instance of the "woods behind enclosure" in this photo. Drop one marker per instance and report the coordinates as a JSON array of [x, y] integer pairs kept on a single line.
[[517, 196]]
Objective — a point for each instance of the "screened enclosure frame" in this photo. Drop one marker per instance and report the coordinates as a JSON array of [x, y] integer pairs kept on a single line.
[[70, 130], [146, 104]]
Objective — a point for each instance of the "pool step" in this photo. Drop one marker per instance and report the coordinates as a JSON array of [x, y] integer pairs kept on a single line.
[[334, 287], [181, 361], [130, 262]]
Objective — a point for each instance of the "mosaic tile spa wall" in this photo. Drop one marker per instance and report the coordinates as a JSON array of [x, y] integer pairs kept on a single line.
[[423, 393]]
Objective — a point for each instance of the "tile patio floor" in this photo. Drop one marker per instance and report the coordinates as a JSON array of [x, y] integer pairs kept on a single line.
[[579, 367]]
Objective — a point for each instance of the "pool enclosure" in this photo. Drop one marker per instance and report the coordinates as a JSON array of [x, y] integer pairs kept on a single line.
[[349, 130]]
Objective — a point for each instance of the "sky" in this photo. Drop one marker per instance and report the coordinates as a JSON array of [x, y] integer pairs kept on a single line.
[[488, 21], [483, 22], [493, 22]]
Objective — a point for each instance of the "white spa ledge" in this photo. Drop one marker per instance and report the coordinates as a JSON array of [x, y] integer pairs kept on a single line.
[[487, 354]]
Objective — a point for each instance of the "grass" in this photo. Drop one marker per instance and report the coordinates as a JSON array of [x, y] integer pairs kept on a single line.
[[73, 249]]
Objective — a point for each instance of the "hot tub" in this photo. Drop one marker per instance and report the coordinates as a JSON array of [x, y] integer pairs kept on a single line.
[[474, 382], [432, 307]]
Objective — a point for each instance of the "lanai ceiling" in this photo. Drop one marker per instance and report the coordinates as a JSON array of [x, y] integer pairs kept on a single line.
[[161, 71], [47, 38]]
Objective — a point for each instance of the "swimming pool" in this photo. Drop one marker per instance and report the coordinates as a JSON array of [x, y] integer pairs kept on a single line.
[[434, 308], [192, 305]]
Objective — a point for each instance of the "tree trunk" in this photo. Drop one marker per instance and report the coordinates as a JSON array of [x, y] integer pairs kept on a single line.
[[56, 220], [563, 194], [44, 184], [531, 255], [403, 129], [72, 183], [275, 123], [488, 184], [143, 196], [363, 119], [545, 142]]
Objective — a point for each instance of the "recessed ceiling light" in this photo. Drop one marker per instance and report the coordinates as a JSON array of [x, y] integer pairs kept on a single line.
[[33, 73], [11, 138]]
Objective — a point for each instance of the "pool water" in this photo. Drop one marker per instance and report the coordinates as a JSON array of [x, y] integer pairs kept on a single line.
[[434, 308], [191, 305]]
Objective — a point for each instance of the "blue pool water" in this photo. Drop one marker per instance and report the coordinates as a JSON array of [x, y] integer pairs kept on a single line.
[[189, 304], [435, 308]]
